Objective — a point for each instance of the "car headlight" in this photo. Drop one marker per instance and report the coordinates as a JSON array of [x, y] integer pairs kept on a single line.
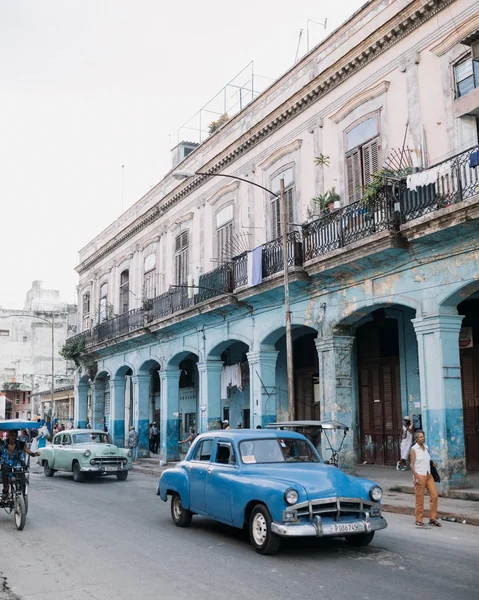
[[87, 453], [129, 453], [291, 496], [376, 493]]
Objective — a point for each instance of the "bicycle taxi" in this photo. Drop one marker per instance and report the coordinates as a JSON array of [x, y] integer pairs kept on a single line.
[[334, 433], [16, 502]]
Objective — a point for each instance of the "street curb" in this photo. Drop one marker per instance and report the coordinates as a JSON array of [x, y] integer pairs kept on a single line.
[[453, 494], [409, 510]]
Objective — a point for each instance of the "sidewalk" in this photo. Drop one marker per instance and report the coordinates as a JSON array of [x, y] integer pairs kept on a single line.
[[462, 505]]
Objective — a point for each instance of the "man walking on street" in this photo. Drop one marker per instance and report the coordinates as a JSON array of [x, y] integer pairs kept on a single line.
[[133, 443], [406, 443], [155, 438]]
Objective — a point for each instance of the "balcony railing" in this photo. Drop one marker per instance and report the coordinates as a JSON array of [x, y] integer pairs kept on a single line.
[[348, 224], [117, 326], [215, 283], [454, 181]]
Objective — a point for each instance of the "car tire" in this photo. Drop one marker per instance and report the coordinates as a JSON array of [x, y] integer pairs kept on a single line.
[[263, 540], [122, 475], [361, 539], [47, 471], [181, 516], [78, 476]]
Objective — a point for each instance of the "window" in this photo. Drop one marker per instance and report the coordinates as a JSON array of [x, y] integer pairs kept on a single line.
[[17, 415], [362, 156], [466, 76], [67, 439], [4, 332], [288, 177], [203, 450], [225, 454], [181, 258], [277, 450], [86, 310], [25, 338], [17, 400], [224, 234], [226, 413], [149, 277], [124, 291], [57, 440], [102, 308]]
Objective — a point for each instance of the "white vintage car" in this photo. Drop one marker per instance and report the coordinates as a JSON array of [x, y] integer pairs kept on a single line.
[[84, 451]]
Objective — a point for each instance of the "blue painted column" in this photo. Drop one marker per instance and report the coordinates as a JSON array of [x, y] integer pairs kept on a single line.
[[210, 393], [336, 395], [98, 403], [262, 377], [441, 394], [170, 419], [117, 421], [81, 404], [141, 398]]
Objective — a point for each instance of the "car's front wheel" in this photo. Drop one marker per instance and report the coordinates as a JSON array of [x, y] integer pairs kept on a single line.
[[263, 540], [77, 473], [361, 539], [181, 516], [47, 471], [121, 475]]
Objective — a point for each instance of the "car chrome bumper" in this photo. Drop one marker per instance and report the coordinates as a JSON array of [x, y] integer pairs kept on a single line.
[[318, 528], [112, 469]]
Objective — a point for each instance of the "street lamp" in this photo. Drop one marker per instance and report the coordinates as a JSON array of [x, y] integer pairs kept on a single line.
[[52, 323], [180, 175]]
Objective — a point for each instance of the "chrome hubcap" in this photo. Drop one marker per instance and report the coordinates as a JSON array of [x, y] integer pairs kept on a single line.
[[177, 507], [259, 529]]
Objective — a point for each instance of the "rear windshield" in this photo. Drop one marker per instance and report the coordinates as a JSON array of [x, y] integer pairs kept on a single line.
[[277, 450]]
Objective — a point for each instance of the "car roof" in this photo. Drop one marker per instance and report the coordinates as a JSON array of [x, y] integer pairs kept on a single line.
[[248, 434], [80, 431]]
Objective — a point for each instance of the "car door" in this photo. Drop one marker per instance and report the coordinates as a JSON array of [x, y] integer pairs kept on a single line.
[[220, 476], [57, 448], [197, 470], [66, 452]]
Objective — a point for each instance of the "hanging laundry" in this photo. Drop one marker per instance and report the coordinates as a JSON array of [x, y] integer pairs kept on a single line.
[[474, 159], [255, 266], [230, 376]]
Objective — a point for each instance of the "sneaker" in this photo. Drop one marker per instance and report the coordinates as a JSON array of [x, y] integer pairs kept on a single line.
[[398, 466], [435, 522], [403, 468], [422, 525]]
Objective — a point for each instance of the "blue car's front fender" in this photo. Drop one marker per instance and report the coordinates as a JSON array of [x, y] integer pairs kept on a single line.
[[174, 480]]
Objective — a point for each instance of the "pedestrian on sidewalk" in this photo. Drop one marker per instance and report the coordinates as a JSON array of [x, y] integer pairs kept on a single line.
[[150, 437], [423, 480], [189, 439], [133, 443], [406, 443], [155, 438]]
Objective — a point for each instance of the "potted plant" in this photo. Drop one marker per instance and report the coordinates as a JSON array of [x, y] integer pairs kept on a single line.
[[334, 200], [321, 202]]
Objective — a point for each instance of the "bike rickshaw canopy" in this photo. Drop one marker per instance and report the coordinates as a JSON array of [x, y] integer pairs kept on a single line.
[[13, 424]]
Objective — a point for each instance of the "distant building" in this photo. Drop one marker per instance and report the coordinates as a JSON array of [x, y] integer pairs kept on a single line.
[[26, 349]]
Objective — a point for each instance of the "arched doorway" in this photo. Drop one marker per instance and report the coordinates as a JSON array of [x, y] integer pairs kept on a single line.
[[469, 352]]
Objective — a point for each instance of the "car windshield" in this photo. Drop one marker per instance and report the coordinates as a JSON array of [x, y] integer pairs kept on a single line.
[[277, 450], [90, 438]]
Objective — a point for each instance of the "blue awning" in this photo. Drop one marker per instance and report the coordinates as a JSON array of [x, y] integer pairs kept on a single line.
[[12, 424]]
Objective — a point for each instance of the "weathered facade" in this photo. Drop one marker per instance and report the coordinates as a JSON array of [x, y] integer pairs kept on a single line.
[[382, 282]]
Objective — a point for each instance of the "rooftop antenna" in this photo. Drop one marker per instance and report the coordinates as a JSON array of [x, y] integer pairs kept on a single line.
[[299, 43], [323, 24]]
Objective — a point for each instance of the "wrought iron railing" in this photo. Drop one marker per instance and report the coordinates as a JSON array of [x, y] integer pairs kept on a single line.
[[117, 326], [454, 181], [215, 283], [348, 224], [240, 270], [272, 256]]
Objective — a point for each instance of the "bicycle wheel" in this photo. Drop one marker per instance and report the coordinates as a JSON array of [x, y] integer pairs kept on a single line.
[[19, 512]]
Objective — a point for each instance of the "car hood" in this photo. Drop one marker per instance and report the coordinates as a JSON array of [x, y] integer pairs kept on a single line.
[[318, 480], [100, 449]]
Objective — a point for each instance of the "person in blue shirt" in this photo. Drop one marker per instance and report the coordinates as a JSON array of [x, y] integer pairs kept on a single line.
[[12, 454]]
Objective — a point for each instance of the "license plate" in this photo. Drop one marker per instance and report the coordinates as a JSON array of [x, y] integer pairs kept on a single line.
[[345, 527], [110, 469]]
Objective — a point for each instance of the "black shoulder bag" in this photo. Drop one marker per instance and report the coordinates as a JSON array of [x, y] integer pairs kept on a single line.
[[434, 473]]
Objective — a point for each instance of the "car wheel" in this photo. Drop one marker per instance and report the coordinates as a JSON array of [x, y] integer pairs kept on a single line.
[[122, 475], [78, 476], [47, 471], [361, 539], [263, 540], [181, 517]]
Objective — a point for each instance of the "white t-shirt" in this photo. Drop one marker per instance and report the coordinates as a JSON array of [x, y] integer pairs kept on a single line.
[[422, 465]]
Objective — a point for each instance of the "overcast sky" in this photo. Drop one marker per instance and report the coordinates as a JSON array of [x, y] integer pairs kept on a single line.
[[88, 86]]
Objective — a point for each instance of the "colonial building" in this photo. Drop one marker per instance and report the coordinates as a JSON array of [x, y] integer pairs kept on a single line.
[[375, 135], [26, 350]]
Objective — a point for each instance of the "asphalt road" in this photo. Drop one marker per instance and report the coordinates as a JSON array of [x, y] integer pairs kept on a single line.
[[107, 539]]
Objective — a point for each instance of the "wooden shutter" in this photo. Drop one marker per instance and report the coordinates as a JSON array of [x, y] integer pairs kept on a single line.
[[275, 219], [468, 395], [388, 400], [290, 208], [353, 176], [370, 154], [224, 242]]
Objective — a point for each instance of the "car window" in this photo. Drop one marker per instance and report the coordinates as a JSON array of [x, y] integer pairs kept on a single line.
[[57, 441], [277, 450], [203, 450], [90, 438], [225, 454], [67, 439]]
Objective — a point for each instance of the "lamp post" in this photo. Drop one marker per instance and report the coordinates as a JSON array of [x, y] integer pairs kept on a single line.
[[52, 323], [284, 233]]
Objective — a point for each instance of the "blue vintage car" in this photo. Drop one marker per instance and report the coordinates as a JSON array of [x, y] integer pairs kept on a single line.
[[274, 483]]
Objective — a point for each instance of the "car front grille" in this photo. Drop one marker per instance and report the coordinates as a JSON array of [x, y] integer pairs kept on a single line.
[[108, 461], [335, 508]]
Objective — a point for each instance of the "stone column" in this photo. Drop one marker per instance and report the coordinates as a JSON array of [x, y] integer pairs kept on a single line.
[[210, 393], [336, 395], [141, 398], [441, 394], [81, 404], [98, 403], [170, 423], [117, 401], [262, 378]]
